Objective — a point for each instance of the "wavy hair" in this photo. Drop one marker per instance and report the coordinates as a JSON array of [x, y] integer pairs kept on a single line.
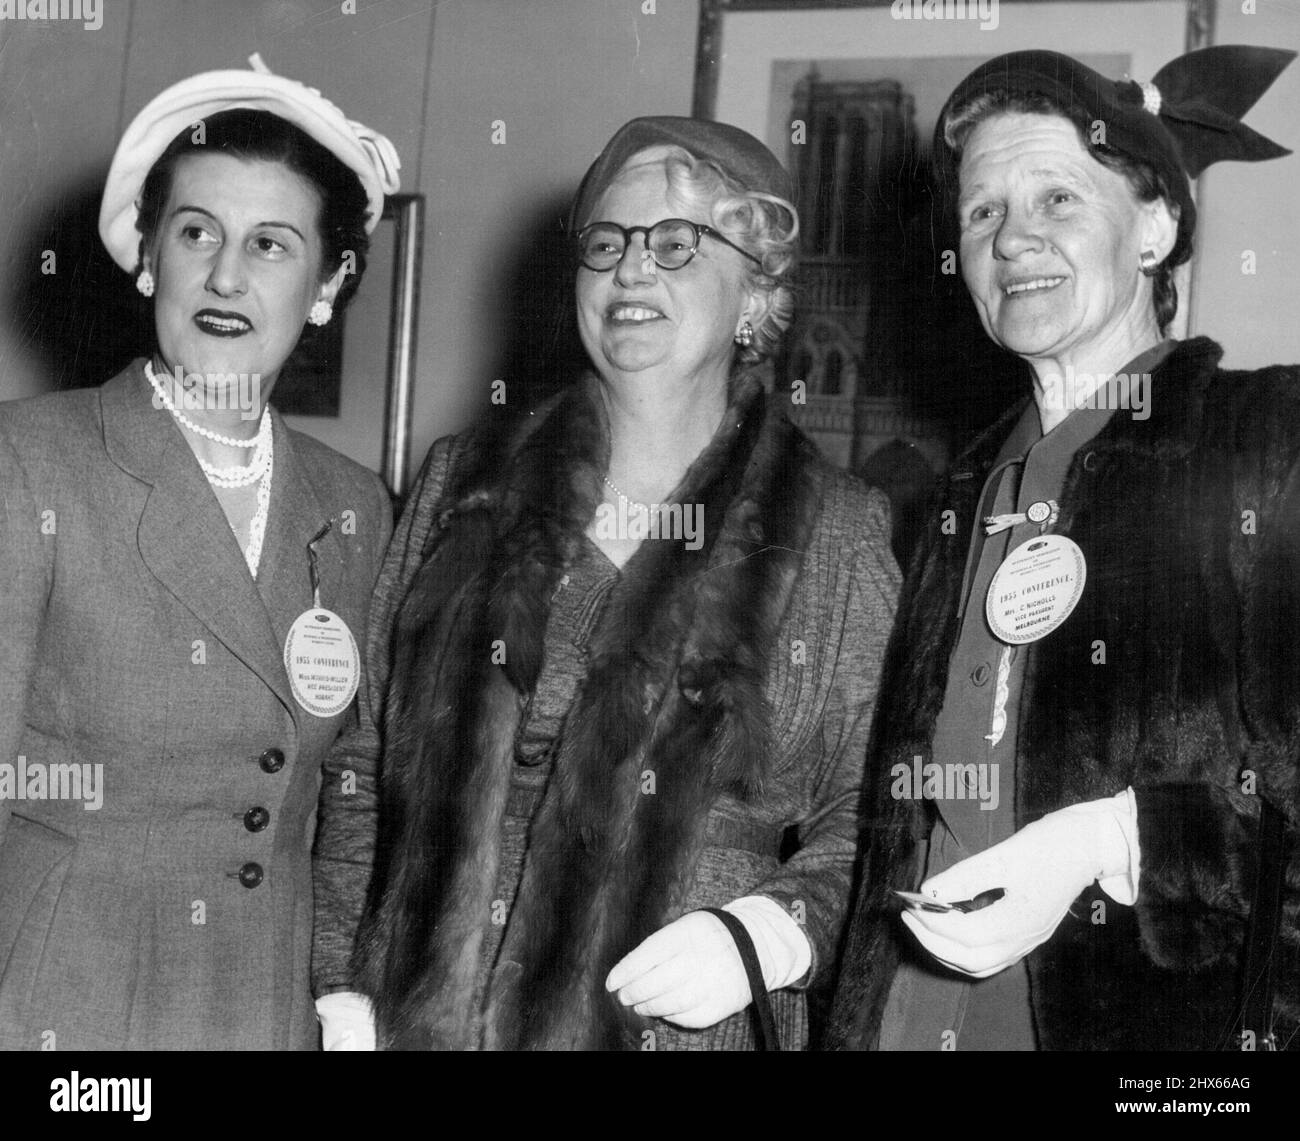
[[763, 224]]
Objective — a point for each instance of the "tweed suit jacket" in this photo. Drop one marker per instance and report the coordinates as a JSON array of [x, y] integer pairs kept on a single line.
[[178, 912]]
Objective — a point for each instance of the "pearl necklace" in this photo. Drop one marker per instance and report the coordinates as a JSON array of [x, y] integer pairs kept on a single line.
[[230, 477], [260, 469], [239, 476], [628, 499], [198, 429]]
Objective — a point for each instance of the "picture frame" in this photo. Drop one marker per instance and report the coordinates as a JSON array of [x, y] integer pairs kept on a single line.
[[351, 385], [867, 375], [716, 15]]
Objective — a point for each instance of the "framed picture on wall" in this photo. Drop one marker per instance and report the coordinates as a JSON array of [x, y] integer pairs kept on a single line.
[[896, 370], [350, 383]]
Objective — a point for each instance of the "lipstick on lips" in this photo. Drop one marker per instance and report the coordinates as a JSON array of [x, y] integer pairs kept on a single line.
[[222, 323]]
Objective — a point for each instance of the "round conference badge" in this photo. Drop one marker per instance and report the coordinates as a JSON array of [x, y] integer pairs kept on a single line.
[[1035, 589], [320, 656]]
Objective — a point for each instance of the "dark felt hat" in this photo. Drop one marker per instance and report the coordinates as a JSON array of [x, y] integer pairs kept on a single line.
[[1187, 117], [735, 152]]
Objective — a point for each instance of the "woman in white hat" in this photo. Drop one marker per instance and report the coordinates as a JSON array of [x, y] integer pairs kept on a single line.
[[182, 575]]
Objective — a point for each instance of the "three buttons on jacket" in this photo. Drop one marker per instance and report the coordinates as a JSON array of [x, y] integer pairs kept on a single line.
[[257, 818]]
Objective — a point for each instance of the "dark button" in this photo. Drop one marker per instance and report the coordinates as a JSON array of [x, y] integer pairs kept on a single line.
[[250, 875], [1090, 462], [980, 674], [272, 761], [255, 819]]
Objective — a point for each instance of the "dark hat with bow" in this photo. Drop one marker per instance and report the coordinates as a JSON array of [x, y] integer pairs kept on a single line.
[[1187, 117], [735, 152]]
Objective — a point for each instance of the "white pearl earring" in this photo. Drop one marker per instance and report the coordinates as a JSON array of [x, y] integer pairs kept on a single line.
[[321, 312], [145, 283]]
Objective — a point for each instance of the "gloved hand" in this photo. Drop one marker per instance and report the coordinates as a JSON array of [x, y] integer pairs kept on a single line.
[[690, 972], [346, 1021], [1042, 869]]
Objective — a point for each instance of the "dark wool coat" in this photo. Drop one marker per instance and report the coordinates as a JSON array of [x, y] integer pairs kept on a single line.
[[1190, 523], [723, 671], [133, 637]]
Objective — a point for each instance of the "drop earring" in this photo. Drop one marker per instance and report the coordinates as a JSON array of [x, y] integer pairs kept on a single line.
[[745, 335], [321, 312]]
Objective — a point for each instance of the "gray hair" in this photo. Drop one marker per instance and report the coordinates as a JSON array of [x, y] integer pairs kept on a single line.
[[764, 225]]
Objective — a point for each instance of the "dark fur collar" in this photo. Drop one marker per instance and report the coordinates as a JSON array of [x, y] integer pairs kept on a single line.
[[675, 685], [1178, 402]]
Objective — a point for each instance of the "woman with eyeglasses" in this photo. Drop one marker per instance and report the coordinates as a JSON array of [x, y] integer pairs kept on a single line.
[[617, 694]]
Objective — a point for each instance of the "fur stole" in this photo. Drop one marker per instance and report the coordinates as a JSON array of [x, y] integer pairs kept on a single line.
[[674, 686]]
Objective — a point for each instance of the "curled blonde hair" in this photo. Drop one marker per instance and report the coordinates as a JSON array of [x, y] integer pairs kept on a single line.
[[763, 224]]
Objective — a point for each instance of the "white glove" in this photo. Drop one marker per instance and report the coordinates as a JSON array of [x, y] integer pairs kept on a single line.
[[346, 1021], [1042, 869], [690, 971]]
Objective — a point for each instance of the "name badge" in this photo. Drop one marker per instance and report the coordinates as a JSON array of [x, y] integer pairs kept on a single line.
[[321, 659], [1035, 589]]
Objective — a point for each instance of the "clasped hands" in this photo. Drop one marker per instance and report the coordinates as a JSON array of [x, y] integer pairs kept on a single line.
[[1041, 870]]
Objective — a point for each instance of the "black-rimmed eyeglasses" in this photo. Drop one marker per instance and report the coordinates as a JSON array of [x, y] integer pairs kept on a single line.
[[672, 243]]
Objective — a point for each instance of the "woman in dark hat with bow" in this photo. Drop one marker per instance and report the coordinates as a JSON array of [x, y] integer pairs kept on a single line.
[[618, 682], [1093, 695]]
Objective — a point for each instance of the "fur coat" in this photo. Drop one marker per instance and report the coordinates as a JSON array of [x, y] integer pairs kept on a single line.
[[1190, 524], [675, 686]]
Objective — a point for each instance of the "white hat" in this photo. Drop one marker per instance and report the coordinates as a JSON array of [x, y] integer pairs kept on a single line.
[[365, 152]]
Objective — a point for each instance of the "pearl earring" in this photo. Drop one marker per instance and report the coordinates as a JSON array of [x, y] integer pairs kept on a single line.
[[745, 336], [321, 312], [145, 283], [1147, 263]]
